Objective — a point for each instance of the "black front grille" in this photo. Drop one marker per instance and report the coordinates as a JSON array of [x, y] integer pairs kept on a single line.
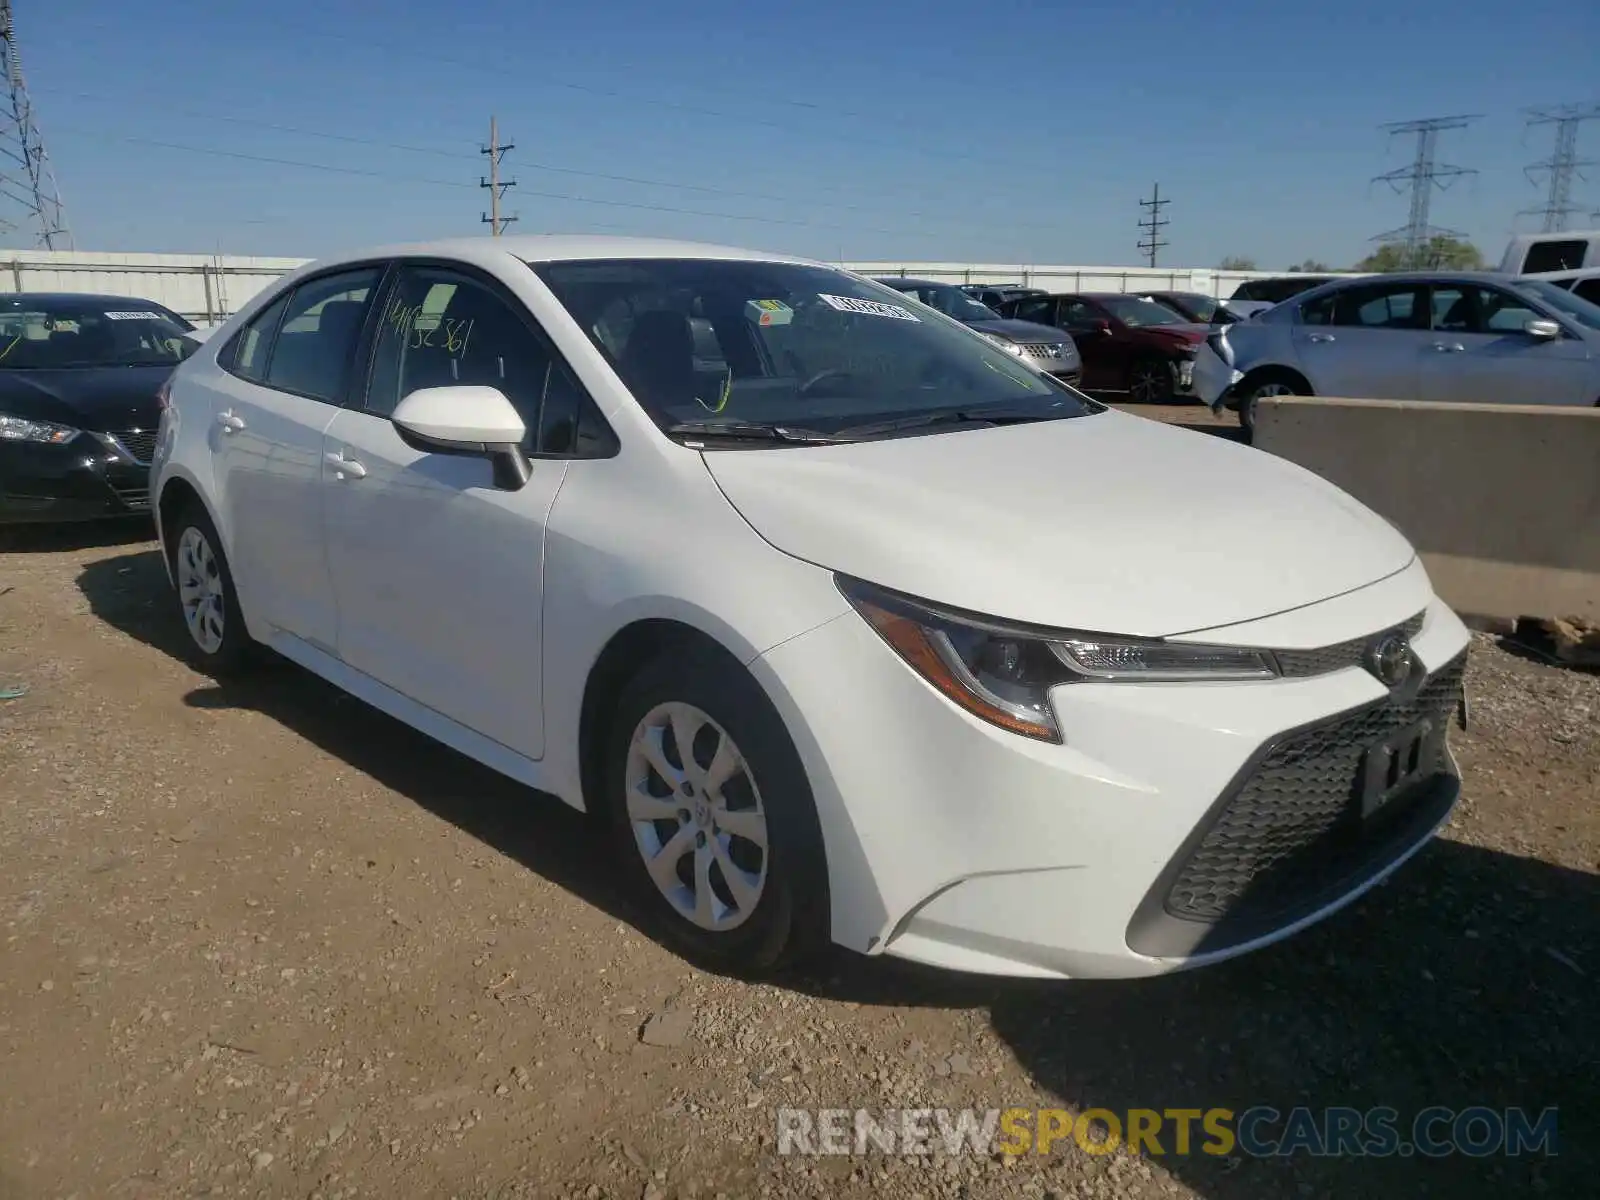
[[139, 443], [1300, 663], [133, 497], [1292, 829]]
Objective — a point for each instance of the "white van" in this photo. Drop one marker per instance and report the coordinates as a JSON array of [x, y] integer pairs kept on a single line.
[[1536, 253]]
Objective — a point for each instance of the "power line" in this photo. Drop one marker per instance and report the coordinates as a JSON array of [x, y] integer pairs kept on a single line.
[[551, 168], [1152, 225], [497, 188], [388, 176], [31, 183], [1423, 175], [1561, 167]]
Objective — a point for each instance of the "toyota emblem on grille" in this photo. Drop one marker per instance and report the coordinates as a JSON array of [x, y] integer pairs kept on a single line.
[[1389, 658]]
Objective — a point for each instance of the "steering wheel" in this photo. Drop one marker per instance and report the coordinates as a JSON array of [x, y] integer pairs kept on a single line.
[[828, 373]]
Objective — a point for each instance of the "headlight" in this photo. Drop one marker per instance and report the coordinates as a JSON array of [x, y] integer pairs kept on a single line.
[[1008, 347], [1004, 674], [21, 429]]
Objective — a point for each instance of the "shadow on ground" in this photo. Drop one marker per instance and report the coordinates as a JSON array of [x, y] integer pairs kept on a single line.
[[1466, 981], [51, 539]]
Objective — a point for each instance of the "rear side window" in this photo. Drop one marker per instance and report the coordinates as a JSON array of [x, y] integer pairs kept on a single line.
[[250, 348], [1380, 306], [317, 340], [1565, 255]]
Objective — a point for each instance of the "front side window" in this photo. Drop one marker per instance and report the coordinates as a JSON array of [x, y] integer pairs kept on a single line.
[[443, 328], [1587, 289], [317, 339], [800, 345], [1572, 305], [72, 333]]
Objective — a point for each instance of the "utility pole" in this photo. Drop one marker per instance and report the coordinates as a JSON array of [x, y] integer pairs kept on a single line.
[[1150, 240], [26, 178], [497, 187], [1562, 166], [1423, 175]]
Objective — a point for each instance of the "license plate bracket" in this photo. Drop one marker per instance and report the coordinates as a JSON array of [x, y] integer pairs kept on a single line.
[[1393, 765]]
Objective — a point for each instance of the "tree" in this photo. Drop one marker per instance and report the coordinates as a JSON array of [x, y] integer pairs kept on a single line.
[[1310, 267], [1440, 252], [1237, 262]]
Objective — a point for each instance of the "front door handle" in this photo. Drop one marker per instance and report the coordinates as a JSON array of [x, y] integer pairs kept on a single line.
[[1321, 337], [344, 467], [229, 422], [1449, 347]]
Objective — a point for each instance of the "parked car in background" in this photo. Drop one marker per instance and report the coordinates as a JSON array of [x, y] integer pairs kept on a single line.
[[1194, 306], [1257, 295], [80, 380], [996, 294], [1468, 336], [1128, 344], [1584, 283], [1041, 345], [872, 636], [1539, 253]]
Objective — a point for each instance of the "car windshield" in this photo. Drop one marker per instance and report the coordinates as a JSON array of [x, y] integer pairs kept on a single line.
[[769, 344], [1135, 311], [1574, 307], [42, 334], [948, 299]]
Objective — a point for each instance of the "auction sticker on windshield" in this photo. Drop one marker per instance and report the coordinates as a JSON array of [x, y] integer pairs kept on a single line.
[[871, 308], [133, 316]]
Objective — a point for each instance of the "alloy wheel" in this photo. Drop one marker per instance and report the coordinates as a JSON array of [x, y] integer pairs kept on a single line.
[[697, 816], [201, 590], [1248, 417], [1150, 382]]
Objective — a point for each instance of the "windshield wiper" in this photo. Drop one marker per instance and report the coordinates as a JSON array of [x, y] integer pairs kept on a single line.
[[754, 431], [957, 416]]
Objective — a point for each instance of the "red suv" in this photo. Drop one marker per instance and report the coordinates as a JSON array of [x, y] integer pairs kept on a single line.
[[1127, 343]]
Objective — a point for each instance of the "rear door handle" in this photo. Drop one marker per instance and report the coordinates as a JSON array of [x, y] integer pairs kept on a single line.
[[229, 422], [1321, 337], [343, 466], [1449, 347]]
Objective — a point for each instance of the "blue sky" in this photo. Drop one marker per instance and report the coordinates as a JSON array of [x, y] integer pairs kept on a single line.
[[1000, 131]]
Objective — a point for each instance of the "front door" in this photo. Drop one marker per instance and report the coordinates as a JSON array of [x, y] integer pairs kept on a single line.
[[438, 573], [1482, 352], [278, 392]]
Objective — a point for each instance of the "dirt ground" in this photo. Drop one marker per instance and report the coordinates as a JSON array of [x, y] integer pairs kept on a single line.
[[260, 940]]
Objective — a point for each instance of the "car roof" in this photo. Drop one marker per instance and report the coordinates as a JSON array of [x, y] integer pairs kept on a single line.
[[563, 248]]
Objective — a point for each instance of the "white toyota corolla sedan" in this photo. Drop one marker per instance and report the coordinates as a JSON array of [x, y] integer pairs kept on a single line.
[[849, 624]]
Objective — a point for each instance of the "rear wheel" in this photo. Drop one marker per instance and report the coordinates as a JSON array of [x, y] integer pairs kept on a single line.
[[1152, 381], [711, 816], [218, 640]]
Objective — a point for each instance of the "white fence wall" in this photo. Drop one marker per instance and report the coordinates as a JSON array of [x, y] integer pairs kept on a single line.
[[211, 287], [203, 287]]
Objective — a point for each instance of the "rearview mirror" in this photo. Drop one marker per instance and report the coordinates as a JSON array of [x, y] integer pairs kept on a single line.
[[1541, 328], [468, 420]]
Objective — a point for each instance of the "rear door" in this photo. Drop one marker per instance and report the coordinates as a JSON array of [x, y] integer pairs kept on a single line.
[[1483, 354], [284, 378], [1365, 342]]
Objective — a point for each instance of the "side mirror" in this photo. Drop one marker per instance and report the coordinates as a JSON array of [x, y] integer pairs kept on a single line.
[[469, 420], [1542, 328]]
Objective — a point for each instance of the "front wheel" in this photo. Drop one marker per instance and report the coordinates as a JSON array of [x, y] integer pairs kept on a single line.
[[218, 640], [1264, 386], [1152, 381], [711, 817]]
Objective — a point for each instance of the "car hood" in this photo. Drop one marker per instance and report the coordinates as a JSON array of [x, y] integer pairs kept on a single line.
[[95, 398], [1022, 331], [1084, 523], [1187, 333]]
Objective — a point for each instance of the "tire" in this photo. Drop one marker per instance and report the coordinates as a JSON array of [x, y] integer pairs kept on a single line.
[[656, 804], [1152, 381], [1267, 383], [208, 601]]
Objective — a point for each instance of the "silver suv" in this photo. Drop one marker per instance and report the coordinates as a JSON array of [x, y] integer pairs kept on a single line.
[[1461, 336]]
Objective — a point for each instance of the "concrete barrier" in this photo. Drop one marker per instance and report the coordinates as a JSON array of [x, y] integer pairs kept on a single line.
[[1501, 500]]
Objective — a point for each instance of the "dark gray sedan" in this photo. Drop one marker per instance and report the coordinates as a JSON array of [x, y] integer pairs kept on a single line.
[[1046, 347]]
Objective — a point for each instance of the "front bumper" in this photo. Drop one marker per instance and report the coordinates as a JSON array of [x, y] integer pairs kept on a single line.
[[89, 478], [957, 844]]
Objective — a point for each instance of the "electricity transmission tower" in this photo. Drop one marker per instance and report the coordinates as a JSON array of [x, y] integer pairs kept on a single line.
[[1150, 240], [497, 187], [1561, 167], [26, 179], [1423, 175]]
